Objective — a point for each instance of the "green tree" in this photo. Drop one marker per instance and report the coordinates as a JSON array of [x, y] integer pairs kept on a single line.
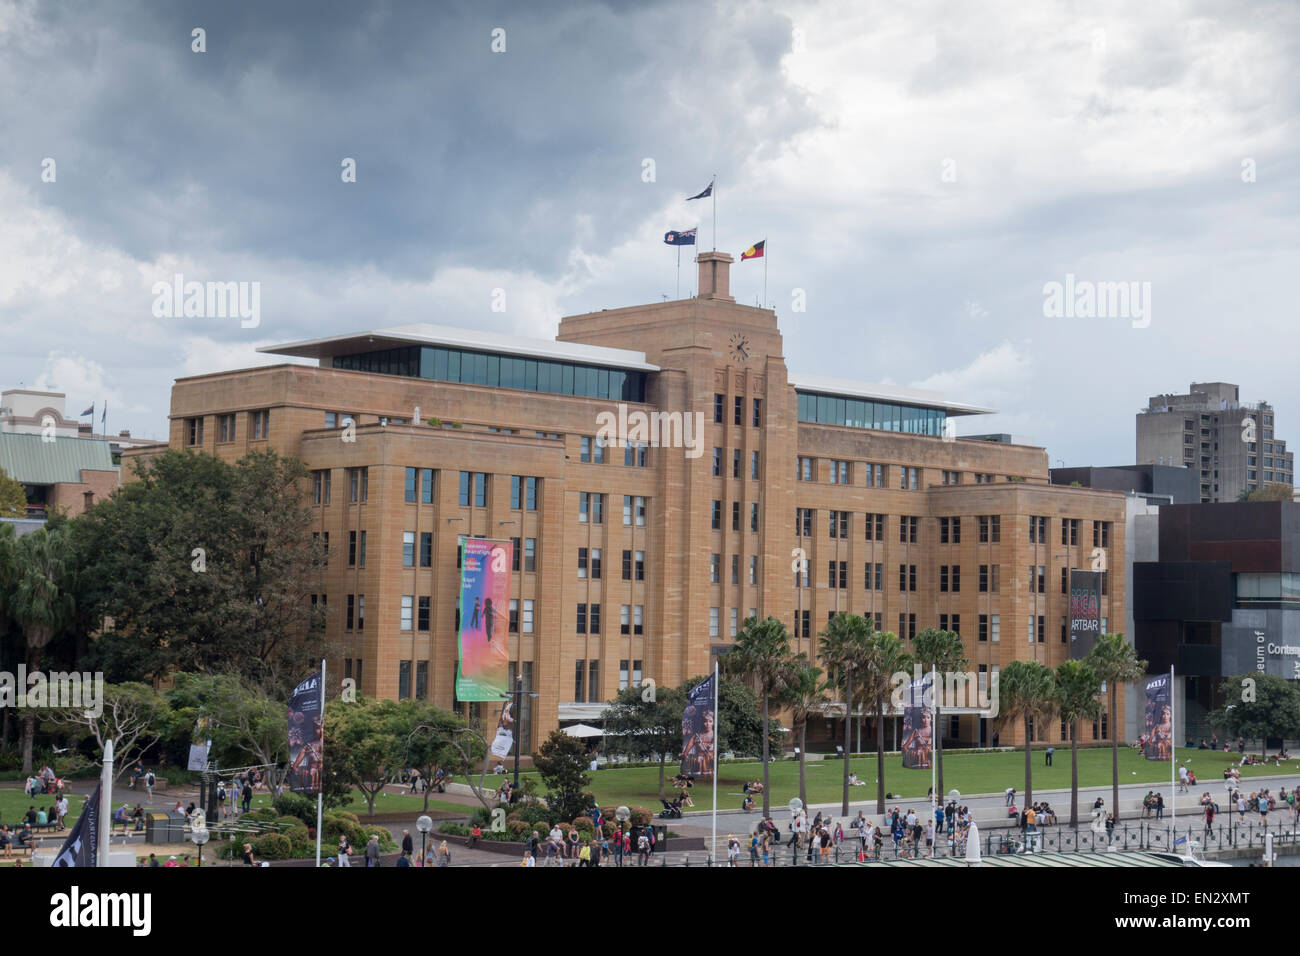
[[38, 599], [886, 672], [805, 694], [761, 655], [562, 761], [360, 745], [845, 648], [646, 721], [205, 566], [1026, 692], [1263, 706], [1116, 663], [942, 652], [430, 739], [1077, 690], [13, 500], [1273, 491]]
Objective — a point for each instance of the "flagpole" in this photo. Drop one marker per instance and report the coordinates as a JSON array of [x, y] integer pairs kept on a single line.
[[765, 255], [934, 729], [679, 273], [105, 806], [717, 691], [1173, 773], [320, 783], [715, 212]]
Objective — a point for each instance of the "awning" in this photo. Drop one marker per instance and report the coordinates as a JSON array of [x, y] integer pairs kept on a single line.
[[584, 730]]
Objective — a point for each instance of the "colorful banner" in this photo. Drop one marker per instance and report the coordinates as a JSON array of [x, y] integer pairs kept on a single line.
[[918, 730], [306, 736], [1085, 612], [1159, 723], [81, 848], [483, 671], [698, 733]]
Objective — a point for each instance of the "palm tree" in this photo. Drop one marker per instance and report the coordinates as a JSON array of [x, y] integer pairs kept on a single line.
[[1077, 687], [846, 647], [1026, 690], [886, 661], [804, 695], [942, 652], [1116, 663], [39, 602], [761, 654]]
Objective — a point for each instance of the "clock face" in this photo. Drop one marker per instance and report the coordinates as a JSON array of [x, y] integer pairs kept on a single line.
[[740, 346]]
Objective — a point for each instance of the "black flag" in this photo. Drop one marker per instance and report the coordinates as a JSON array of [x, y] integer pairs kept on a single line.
[[82, 846]]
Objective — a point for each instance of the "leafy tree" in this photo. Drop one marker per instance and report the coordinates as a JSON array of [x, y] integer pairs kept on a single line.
[[1027, 692], [204, 566], [1273, 491], [359, 744], [562, 762], [647, 721], [740, 725], [134, 717], [885, 659], [427, 741], [942, 652], [37, 596], [1116, 663], [845, 647], [1077, 689], [805, 694], [761, 654], [1264, 706], [13, 500]]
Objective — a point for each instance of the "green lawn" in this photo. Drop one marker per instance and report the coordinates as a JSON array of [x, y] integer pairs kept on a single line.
[[969, 773], [14, 804], [402, 803]]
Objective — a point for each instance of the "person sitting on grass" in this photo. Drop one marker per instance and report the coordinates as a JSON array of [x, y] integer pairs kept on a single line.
[[748, 804]]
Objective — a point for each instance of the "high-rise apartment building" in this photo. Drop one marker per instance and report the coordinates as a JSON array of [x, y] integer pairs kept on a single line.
[[1229, 445]]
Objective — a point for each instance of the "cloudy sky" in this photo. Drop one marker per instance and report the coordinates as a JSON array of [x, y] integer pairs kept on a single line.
[[921, 171]]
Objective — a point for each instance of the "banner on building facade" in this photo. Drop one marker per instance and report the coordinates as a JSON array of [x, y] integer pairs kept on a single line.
[[699, 737], [1159, 723], [307, 736], [918, 725], [1085, 612], [81, 848], [482, 672]]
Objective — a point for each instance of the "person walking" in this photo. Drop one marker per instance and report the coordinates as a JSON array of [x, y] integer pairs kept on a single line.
[[248, 796], [372, 852], [408, 845], [643, 849], [1160, 807], [345, 851], [1049, 753], [733, 850], [444, 854], [1209, 817]]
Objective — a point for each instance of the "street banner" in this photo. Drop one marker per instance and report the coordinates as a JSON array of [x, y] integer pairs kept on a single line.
[[504, 741], [698, 733], [306, 735], [81, 848], [1085, 612], [482, 672], [1159, 722], [918, 730]]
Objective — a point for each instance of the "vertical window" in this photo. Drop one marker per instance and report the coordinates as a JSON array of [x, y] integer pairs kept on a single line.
[[528, 616], [426, 497], [717, 462], [717, 409], [713, 622], [422, 617], [716, 519], [582, 562], [714, 561], [403, 680], [408, 610], [582, 619], [753, 569], [426, 549], [530, 554], [753, 517], [412, 480], [422, 680], [738, 417], [735, 516], [758, 413], [408, 549], [320, 487], [735, 614]]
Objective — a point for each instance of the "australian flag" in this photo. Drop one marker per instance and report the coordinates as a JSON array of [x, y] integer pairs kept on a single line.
[[708, 191], [684, 238]]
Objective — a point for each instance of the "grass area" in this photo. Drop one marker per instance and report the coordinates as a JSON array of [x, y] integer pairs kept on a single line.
[[14, 804], [402, 803], [967, 772]]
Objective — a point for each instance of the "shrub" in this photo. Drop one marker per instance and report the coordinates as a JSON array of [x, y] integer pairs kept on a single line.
[[640, 816], [290, 804], [260, 815], [340, 822], [386, 841], [273, 846], [584, 823]]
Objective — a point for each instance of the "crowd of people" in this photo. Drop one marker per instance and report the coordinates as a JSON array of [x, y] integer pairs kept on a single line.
[[555, 849]]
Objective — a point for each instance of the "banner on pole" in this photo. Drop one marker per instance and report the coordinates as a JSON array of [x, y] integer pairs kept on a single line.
[[918, 730], [81, 848], [1159, 722], [1085, 612], [482, 672], [306, 736], [699, 737]]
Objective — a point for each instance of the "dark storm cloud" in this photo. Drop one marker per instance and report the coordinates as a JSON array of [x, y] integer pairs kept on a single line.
[[463, 155]]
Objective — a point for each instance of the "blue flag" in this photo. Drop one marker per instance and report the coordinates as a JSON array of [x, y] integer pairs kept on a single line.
[[686, 237]]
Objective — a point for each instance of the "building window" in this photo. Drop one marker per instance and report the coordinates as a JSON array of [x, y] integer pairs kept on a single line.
[[358, 484], [1070, 531], [839, 472], [989, 578], [530, 554], [408, 610], [426, 549], [194, 431], [717, 409], [523, 493], [422, 614], [1037, 530], [716, 516], [753, 517], [735, 569], [261, 424], [717, 462], [226, 428], [803, 519], [995, 627], [753, 569], [907, 478], [714, 562], [361, 612], [582, 618], [907, 525], [758, 412], [739, 406], [713, 622], [638, 619], [735, 463], [320, 486], [408, 549], [735, 516], [528, 616], [635, 455], [875, 527], [804, 471]]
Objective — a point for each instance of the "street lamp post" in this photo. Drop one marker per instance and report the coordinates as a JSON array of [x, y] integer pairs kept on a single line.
[[424, 824]]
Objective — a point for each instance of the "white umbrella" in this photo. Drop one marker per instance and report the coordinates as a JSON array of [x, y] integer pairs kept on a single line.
[[973, 845], [584, 730]]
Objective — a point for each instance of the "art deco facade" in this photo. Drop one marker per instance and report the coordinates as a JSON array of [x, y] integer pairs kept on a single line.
[[642, 562]]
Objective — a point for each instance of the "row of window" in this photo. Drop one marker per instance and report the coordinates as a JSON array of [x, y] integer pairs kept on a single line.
[[715, 569], [738, 410], [839, 524], [591, 508], [736, 462], [989, 627], [716, 516], [259, 428], [990, 577]]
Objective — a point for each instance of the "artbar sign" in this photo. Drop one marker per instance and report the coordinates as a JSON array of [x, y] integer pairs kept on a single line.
[[1085, 612]]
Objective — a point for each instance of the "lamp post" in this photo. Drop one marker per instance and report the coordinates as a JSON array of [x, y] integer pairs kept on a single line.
[[424, 824]]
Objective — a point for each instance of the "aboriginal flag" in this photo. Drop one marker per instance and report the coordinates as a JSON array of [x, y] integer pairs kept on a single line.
[[753, 252]]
